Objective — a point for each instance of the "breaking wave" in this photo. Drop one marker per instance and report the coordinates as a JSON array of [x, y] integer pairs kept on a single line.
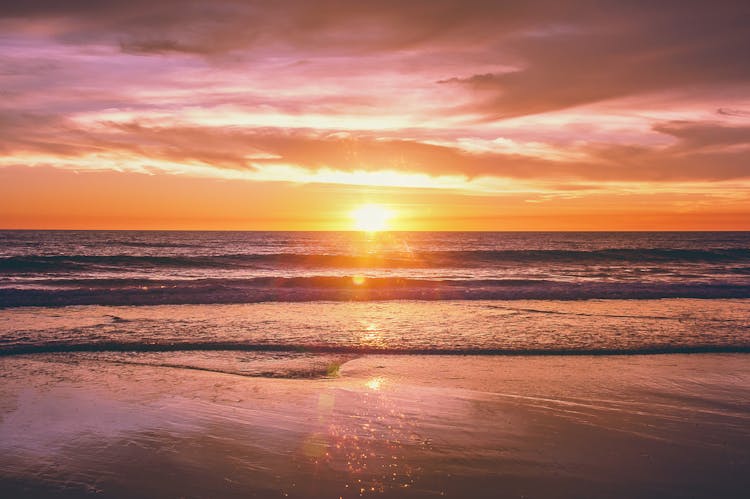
[[423, 259], [324, 288], [187, 346]]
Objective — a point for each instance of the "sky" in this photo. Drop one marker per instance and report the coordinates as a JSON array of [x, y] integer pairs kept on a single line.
[[455, 115]]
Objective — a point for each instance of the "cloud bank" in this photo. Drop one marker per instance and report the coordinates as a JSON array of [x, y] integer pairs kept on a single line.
[[549, 93]]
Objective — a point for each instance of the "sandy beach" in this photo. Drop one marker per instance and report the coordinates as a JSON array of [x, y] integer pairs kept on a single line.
[[389, 426]]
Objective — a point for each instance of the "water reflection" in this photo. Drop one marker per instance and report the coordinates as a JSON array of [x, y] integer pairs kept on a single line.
[[358, 280], [375, 383], [368, 440], [372, 335]]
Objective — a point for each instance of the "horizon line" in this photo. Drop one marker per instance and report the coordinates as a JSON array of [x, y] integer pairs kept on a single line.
[[593, 231]]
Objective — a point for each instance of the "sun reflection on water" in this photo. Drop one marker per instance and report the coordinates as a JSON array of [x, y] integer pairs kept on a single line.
[[367, 441], [375, 383], [372, 335], [359, 280]]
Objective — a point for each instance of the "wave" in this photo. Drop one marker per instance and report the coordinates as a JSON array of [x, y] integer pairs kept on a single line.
[[152, 244], [429, 259], [46, 348], [255, 363], [302, 289], [317, 372]]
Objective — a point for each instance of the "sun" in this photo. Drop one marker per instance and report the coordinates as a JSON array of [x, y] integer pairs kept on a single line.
[[371, 217]]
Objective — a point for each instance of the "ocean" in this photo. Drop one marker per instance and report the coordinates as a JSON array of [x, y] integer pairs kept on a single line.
[[394, 292], [290, 364]]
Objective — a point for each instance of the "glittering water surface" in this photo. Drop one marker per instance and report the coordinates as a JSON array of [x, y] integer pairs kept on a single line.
[[350, 365], [390, 426], [120, 268], [298, 304], [306, 339]]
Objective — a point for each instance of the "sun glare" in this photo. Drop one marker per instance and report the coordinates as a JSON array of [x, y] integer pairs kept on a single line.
[[371, 217]]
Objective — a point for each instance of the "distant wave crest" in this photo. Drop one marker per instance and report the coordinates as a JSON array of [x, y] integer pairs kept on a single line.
[[428, 259], [322, 288]]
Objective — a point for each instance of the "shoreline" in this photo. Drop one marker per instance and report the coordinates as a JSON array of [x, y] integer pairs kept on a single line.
[[541, 327], [389, 426]]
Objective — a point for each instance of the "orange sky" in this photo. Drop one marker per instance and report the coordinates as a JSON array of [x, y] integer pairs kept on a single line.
[[471, 115]]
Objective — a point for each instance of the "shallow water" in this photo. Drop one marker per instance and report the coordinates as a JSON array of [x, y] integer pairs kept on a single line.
[[231, 333], [389, 426]]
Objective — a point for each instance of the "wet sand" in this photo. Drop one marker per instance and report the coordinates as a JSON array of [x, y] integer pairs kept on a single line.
[[390, 426]]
